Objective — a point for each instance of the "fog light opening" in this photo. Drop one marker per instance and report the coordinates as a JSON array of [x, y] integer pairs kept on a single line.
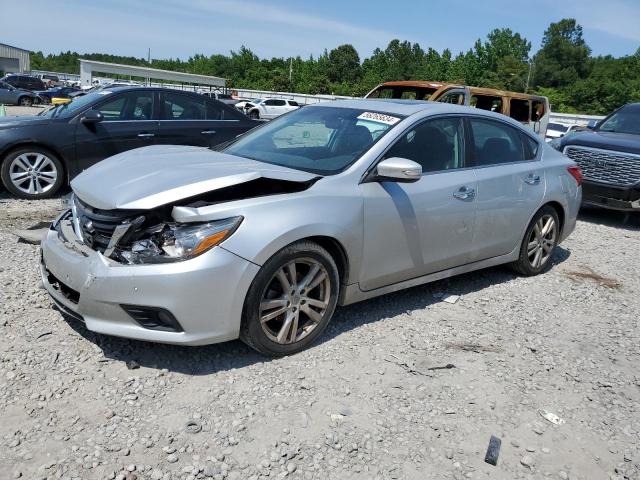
[[153, 318]]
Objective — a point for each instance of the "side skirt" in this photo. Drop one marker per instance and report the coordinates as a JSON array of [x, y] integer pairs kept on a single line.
[[352, 293]]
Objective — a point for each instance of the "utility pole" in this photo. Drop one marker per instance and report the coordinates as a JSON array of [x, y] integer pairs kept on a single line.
[[149, 66], [290, 69], [526, 88]]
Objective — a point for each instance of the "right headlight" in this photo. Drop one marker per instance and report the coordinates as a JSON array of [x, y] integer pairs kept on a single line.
[[178, 242]]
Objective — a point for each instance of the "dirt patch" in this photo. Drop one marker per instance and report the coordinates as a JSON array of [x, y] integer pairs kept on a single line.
[[590, 274]]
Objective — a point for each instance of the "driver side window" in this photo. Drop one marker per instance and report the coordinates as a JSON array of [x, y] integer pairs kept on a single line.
[[128, 106], [437, 145]]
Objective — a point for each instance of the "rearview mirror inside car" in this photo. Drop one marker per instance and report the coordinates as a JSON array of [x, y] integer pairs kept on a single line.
[[398, 169], [92, 116]]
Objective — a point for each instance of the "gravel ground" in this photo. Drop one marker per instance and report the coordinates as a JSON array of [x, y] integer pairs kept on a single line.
[[15, 110], [368, 402]]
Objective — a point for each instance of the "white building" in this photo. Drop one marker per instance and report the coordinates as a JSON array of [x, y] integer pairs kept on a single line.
[[14, 59]]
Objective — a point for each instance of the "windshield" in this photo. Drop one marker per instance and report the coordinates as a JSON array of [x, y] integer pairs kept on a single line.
[[323, 140], [626, 120], [74, 107]]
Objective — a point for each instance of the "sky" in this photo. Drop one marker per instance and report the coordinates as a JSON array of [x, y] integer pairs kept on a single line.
[[283, 28]]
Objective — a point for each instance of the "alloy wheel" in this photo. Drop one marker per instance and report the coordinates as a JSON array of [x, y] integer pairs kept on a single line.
[[33, 173], [542, 241], [295, 300]]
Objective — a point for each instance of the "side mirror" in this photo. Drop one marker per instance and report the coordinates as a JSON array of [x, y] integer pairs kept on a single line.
[[398, 169], [92, 116], [592, 124]]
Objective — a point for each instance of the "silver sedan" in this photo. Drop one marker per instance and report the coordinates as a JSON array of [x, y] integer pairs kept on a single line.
[[328, 205]]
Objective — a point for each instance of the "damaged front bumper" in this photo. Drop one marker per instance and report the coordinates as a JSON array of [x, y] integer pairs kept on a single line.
[[204, 295]]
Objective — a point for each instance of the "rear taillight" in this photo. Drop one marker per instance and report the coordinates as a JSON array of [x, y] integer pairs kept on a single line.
[[576, 173]]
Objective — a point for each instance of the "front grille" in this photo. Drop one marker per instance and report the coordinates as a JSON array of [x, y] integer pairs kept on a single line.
[[96, 226], [606, 166]]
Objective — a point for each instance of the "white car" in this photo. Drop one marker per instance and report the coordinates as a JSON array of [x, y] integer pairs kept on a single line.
[[557, 130], [269, 108], [244, 101]]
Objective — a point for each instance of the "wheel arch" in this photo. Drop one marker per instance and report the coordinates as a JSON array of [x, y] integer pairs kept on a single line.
[[337, 252], [562, 215]]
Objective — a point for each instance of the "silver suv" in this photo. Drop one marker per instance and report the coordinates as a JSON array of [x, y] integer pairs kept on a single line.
[[330, 204]]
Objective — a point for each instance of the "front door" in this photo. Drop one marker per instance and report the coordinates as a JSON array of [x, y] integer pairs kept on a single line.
[[7, 94], [128, 123], [413, 229], [511, 185]]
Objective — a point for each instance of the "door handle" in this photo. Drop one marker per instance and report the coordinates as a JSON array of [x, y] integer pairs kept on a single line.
[[532, 179], [146, 135], [208, 132], [465, 193]]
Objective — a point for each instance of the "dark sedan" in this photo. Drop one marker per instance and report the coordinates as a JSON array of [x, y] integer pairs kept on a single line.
[[40, 154], [609, 156]]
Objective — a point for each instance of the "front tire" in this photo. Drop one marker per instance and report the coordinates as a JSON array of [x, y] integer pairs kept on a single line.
[[254, 115], [539, 243], [32, 173], [291, 300], [25, 101]]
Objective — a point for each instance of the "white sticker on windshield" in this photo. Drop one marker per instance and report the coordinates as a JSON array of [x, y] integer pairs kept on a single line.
[[379, 117]]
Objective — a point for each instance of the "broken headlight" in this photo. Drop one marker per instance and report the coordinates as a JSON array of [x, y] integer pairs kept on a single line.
[[175, 242]]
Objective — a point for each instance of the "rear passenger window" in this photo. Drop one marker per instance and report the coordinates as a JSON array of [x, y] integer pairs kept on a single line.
[[530, 147], [435, 144], [183, 107], [519, 110], [495, 143]]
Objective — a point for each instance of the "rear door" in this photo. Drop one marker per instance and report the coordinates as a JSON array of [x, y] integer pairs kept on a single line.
[[413, 229], [128, 123], [511, 185], [197, 120]]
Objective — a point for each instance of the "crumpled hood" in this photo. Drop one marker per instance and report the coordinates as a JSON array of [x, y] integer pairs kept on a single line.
[[149, 177]]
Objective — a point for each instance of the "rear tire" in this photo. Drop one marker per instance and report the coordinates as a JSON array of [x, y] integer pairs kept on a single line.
[[539, 243], [32, 173], [291, 300]]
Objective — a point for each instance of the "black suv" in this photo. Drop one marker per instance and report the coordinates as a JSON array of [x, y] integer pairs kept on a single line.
[[24, 82], [609, 156]]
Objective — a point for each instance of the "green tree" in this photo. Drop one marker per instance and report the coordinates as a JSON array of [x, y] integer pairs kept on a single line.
[[344, 64], [564, 56]]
